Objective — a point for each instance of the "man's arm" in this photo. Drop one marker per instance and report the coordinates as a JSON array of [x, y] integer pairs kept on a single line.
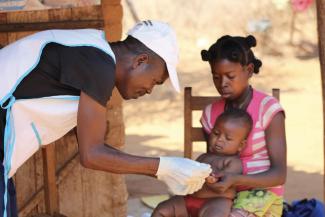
[[182, 176], [94, 154]]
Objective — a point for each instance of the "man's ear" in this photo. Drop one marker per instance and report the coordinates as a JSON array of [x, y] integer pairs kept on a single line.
[[140, 59], [242, 145], [250, 69]]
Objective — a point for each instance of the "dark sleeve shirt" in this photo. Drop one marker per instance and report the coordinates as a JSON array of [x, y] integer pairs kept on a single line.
[[66, 70]]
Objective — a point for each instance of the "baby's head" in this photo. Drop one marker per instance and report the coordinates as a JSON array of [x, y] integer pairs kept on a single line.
[[230, 132]]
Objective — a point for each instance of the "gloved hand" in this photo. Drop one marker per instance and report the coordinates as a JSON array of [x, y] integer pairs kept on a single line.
[[182, 176]]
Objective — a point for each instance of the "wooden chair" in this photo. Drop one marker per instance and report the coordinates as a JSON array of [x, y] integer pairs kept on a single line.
[[198, 103]]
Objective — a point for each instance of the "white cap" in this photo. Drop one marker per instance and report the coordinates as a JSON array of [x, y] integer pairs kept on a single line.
[[161, 39]]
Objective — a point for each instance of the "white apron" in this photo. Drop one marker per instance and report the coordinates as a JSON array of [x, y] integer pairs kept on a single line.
[[31, 123]]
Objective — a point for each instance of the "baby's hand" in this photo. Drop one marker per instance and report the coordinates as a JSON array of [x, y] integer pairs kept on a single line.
[[213, 178]]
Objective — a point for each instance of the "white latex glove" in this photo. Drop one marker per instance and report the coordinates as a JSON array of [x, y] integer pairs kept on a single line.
[[182, 176]]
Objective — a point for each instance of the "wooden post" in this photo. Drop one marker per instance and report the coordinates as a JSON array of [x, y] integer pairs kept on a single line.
[[112, 12], [320, 5], [188, 146], [276, 93], [50, 189]]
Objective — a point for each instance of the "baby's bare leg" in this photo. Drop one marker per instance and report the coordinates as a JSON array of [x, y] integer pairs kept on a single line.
[[173, 207], [218, 207]]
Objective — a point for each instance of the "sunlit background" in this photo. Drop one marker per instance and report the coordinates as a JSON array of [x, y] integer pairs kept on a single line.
[[287, 46]]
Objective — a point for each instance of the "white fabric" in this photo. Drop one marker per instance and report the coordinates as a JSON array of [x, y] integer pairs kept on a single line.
[[21, 57], [182, 176], [161, 39], [31, 123], [39, 122]]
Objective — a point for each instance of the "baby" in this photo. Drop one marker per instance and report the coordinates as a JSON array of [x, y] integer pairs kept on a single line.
[[227, 139]]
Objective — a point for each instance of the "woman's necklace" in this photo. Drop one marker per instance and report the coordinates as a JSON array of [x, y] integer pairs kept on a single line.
[[242, 102]]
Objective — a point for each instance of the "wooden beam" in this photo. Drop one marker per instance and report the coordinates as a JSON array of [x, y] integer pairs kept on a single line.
[[112, 11], [36, 199], [188, 145], [320, 5], [197, 134], [50, 188], [276, 93], [78, 24], [198, 103]]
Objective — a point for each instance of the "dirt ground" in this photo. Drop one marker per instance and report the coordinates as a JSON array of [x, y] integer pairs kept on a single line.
[[154, 124]]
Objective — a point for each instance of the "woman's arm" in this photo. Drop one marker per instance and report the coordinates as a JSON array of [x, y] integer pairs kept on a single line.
[[276, 175], [95, 154]]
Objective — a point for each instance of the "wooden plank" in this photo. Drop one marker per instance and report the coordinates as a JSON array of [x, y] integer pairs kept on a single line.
[[3, 36], [188, 123], [37, 198], [3, 18], [50, 188], [66, 147], [200, 102], [23, 27], [66, 169], [25, 181], [28, 16], [197, 134], [112, 12], [60, 14], [28, 207], [276, 93], [68, 18], [39, 170], [110, 2], [87, 13], [25, 17]]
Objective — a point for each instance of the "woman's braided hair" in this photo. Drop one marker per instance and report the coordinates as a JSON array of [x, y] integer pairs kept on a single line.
[[235, 49]]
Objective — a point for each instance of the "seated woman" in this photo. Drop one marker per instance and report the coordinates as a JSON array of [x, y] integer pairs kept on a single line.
[[260, 186]]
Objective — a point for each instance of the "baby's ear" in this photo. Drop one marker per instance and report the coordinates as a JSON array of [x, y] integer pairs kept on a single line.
[[242, 145]]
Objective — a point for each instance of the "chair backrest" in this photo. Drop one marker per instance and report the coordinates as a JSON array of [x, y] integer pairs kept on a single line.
[[198, 103]]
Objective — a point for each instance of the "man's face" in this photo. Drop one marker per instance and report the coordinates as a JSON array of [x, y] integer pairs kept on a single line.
[[141, 77]]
